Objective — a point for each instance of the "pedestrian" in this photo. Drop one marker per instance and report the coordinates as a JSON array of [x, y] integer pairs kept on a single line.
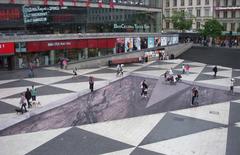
[[118, 69], [183, 69], [65, 63], [28, 96], [187, 68], [144, 88], [74, 72], [194, 95], [121, 69], [232, 86], [33, 93], [23, 103], [91, 83], [215, 71]]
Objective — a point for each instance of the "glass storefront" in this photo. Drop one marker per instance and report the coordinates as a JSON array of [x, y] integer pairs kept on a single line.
[[41, 19]]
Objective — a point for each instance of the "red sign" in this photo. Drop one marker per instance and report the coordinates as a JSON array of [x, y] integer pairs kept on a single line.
[[6, 48], [10, 14], [70, 44]]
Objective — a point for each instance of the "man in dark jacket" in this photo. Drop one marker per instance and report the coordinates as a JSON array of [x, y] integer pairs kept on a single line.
[[28, 96], [215, 71]]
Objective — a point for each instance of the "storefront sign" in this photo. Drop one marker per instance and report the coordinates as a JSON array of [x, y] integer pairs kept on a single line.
[[6, 48], [38, 14], [127, 26]]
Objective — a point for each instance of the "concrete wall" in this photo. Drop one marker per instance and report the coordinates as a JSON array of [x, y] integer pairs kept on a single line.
[[102, 61]]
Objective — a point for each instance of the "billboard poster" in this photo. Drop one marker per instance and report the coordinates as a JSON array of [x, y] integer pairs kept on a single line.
[[128, 44], [157, 41], [120, 45], [169, 40], [175, 40], [7, 48], [163, 41], [150, 42], [144, 43], [136, 44]]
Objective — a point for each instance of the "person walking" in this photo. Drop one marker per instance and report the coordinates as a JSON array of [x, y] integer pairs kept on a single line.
[[33, 93], [232, 86], [194, 95], [121, 69], [28, 96], [74, 72], [144, 88], [91, 83], [215, 70], [183, 69], [23, 103], [187, 68]]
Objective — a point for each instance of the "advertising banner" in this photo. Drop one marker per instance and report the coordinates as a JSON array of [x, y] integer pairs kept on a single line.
[[120, 45], [136, 44], [7, 48], [128, 44], [157, 41], [150, 42], [175, 40], [163, 41]]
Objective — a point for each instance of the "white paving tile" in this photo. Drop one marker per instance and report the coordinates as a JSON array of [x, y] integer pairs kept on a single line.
[[23, 143], [106, 76], [177, 61], [131, 131], [121, 152], [218, 113], [80, 86], [196, 69], [210, 142], [152, 72], [237, 89], [189, 77], [226, 82], [48, 80], [5, 117], [7, 81], [44, 100]]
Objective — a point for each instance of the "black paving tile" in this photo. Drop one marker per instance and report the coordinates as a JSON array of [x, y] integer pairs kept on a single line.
[[19, 83], [149, 69], [234, 114], [77, 79], [237, 82], [140, 151], [233, 141], [173, 126], [6, 108], [45, 90], [235, 73], [79, 142], [208, 77]]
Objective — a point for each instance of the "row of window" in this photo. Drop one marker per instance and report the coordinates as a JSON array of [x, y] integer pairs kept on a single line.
[[228, 14], [226, 2], [182, 2], [190, 12]]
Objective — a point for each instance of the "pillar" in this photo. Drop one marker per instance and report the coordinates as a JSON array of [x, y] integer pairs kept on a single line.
[[52, 57]]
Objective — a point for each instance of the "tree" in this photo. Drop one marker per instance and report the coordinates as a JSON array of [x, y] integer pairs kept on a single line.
[[212, 28], [182, 20]]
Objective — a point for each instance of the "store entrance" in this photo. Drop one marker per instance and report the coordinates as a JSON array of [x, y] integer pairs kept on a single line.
[[6, 63]]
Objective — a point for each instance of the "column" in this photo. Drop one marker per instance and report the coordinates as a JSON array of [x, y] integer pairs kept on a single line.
[[52, 57]]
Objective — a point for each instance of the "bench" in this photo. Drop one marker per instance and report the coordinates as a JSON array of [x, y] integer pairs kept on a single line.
[[123, 61]]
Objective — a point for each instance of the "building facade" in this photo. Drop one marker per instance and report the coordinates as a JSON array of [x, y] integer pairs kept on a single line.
[[228, 13], [200, 10], [77, 29]]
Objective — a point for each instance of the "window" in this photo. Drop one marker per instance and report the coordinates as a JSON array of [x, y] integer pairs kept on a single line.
[[207, 12], [233, 14], [225, 2], [182, 2], [232, 26], [190, 11], [217, 3], [217, 14], [167, 3], [190, 2], [167, 25], [198, 2], [224, 26], [198, 25], [234, 3], [167, 13], [206, 2], [225, 14], [174, 2], [198, 12]]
